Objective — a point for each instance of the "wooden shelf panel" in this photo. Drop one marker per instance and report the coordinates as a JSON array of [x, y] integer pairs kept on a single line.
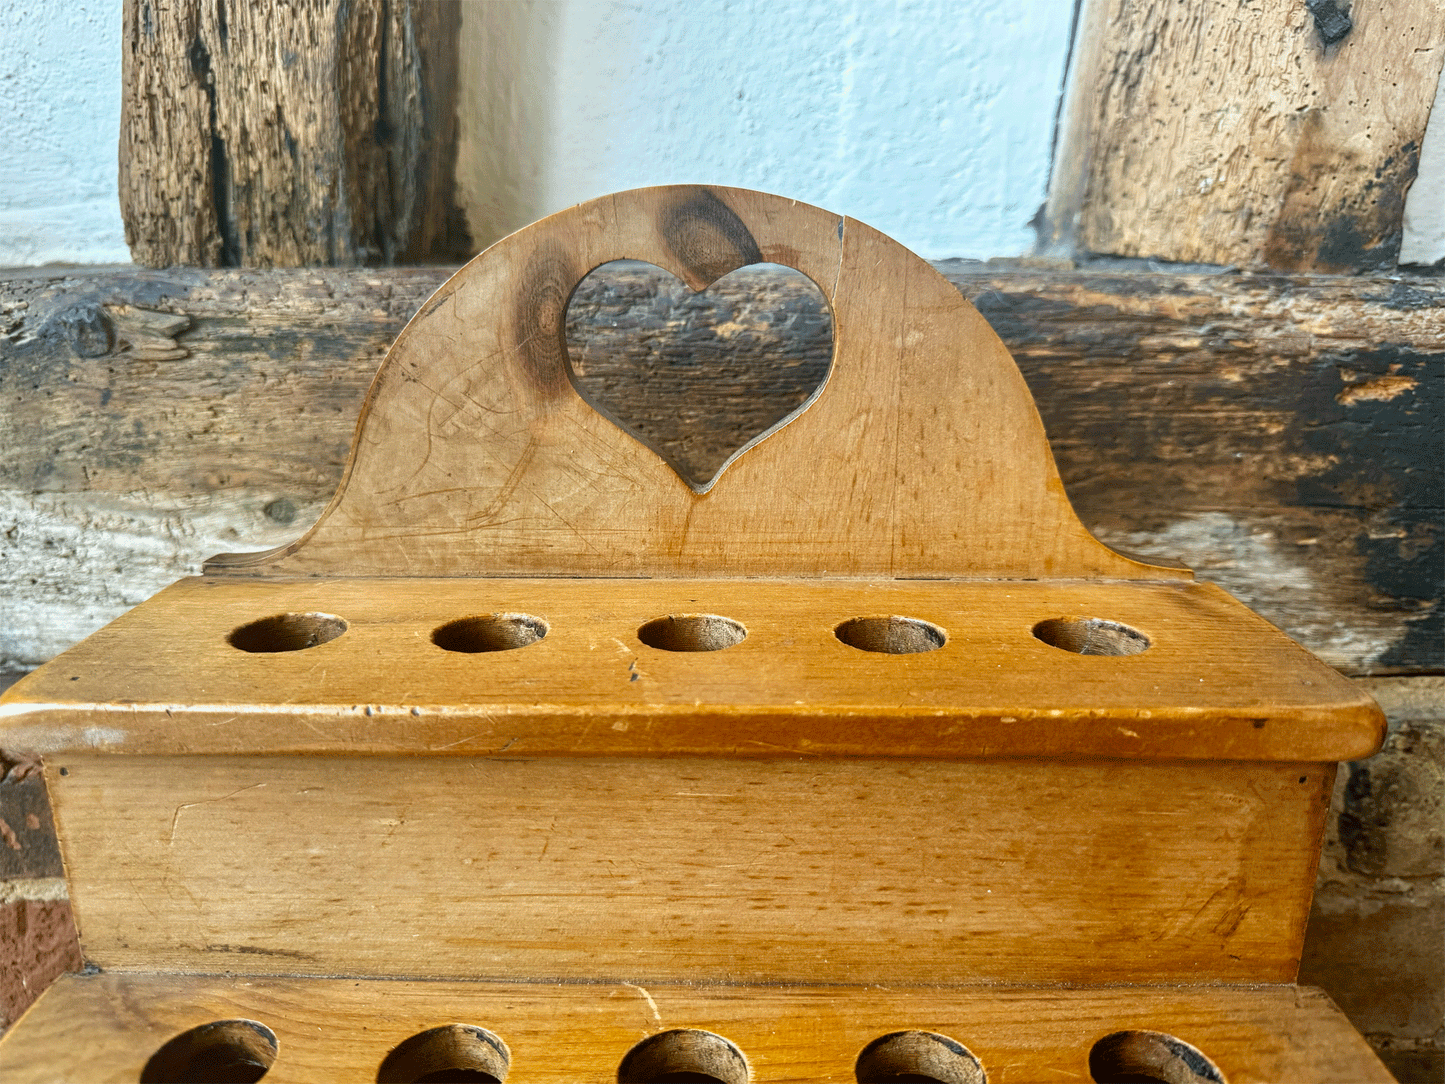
[[777, 870], [105, 1027], [1215, 682]]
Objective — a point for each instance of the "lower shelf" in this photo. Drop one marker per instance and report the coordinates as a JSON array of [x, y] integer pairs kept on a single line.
[[134, 1026]]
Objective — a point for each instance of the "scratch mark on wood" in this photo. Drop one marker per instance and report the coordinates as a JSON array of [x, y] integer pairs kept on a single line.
[[648, 998], [175, 818]]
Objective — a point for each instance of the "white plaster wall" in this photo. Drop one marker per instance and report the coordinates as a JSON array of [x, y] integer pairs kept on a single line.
[[929, 119], [1424, 233], [59, 129]]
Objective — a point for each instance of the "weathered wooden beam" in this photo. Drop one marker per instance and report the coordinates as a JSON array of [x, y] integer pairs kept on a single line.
[[1261, 135], [1277, 433], [263, 134]]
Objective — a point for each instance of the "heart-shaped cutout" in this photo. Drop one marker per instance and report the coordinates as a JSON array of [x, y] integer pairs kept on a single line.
[[698, 377]]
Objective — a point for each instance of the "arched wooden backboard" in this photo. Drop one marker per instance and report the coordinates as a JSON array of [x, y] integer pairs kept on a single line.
[[922, 454]]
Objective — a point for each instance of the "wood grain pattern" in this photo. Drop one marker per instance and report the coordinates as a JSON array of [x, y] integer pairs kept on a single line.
[[105, 1027], [854, 871], [1232, 134], [1276, 432], [476, 455], [1215, 682], [1081, 769], [266, 134]]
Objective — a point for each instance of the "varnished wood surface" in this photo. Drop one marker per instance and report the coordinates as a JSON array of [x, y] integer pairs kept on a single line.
[[1274, 432], [106, 1027], [1215, 682], [792, 869], [921, 454]]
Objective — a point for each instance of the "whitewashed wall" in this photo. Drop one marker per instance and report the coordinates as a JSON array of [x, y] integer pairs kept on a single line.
[[59, 123], [929, 119]]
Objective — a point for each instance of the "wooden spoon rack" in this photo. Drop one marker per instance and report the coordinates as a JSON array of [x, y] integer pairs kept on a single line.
[[533, 761]]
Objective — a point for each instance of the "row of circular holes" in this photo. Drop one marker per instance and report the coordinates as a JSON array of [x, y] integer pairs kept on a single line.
[[890, 634], [243, 1050]]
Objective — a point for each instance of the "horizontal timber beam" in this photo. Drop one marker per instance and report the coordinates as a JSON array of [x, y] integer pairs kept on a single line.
[[1278, 433]]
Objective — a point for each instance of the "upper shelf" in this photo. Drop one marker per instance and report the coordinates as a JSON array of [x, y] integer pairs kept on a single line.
[[921, 455]]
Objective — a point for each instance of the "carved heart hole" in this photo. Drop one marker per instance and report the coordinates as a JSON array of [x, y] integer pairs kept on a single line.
[[698, 377]]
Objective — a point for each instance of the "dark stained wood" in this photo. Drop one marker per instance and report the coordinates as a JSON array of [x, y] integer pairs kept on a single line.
[[265, 134], [1275, 432]]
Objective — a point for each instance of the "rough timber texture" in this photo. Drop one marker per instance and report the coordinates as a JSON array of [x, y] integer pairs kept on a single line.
[[1261, 134], [265, 134]]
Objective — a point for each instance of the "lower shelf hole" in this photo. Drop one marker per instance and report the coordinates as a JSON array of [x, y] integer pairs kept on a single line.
[[1149, 1057], [287, 632], [221, 1052], [1091, 636], [918, 1057], [684, 1056], [692, 632], [453, 1052], [891, 635], [491, 632]]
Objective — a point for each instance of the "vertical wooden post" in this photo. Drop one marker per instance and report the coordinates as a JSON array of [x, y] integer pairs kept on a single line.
[[1263, 135], [264, 134]]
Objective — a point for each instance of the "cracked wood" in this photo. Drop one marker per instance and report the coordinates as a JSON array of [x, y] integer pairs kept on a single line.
[[263, 134], [1256, 134]]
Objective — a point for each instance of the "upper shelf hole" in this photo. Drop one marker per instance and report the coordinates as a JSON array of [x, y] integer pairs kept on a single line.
[[891, 635], [697, 377], [1091, 636], [287, 632], [692, 632], [490, 632]]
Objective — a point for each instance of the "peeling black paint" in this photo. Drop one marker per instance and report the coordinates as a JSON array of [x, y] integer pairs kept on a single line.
[[1357, 825], [1332, 20], [1386, 461], [1404, 297], [1362, 231]]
